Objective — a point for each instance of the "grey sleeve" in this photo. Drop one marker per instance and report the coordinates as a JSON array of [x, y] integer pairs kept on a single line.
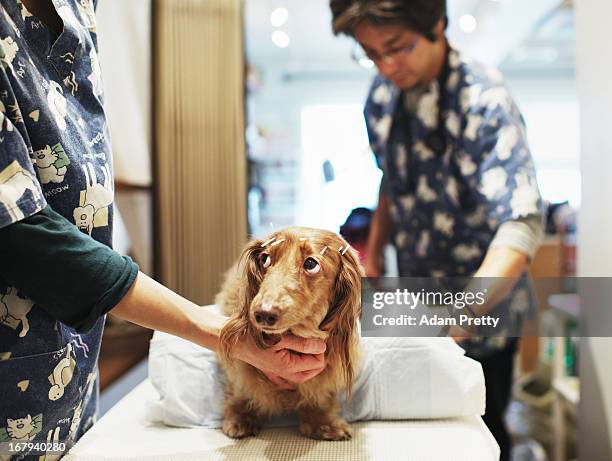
[[523, 234]]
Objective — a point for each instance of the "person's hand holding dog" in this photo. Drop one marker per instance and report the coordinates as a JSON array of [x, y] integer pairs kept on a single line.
[[293, 360]]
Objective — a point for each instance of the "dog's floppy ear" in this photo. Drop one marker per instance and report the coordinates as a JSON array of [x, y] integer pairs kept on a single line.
[[249, 276], [250, 271], [343, 315]]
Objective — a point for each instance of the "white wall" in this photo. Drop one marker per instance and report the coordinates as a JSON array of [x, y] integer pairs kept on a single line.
[[124, 39], [550, 107], [594, 79]]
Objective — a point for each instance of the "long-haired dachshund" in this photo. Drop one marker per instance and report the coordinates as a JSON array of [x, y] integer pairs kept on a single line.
[[307, 282]]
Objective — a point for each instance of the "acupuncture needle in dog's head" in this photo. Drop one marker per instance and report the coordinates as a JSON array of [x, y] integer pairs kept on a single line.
[[268, 242], [277, 242]]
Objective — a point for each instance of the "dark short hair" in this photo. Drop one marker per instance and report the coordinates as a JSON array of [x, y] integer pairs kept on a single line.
[[418, 15]]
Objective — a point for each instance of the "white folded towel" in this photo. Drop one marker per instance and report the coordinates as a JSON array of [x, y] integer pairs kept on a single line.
[[399, 378]]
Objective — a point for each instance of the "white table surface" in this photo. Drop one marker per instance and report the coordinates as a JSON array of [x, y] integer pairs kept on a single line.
[[124, 434]]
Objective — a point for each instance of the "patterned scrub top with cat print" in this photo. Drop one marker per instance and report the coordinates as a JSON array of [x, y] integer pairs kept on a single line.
[[54, 149], [447, 206]]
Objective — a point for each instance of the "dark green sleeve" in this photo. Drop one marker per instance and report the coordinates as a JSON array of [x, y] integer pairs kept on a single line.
[[73, 277]]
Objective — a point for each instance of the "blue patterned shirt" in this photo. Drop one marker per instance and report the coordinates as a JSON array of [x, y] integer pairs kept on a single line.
[[54, 149], [447, 206]]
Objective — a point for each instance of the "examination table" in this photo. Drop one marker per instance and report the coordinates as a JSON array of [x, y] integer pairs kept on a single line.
[[124, 434]]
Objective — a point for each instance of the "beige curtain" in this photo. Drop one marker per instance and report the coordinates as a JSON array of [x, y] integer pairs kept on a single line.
[[200, 160]]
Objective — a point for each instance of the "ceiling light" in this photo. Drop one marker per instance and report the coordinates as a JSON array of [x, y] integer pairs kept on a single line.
[[468, 23], [280, 39], [279, 16]]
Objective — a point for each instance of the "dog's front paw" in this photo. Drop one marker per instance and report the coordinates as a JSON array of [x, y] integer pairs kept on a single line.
[[240, 429], [335, 430]]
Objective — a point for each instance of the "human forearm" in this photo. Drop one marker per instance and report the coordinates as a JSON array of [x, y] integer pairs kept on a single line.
[[498, 273], [510, 252], [381, 225], [152, 305], [378, 237]]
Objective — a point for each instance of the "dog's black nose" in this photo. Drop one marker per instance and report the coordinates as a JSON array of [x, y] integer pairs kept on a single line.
[[267, 317]]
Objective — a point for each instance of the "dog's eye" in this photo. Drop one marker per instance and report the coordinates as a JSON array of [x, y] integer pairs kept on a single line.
[[312, 266], [265, 260]]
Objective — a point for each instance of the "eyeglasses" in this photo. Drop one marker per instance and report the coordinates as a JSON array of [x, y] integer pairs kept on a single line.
[[369, 59]]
